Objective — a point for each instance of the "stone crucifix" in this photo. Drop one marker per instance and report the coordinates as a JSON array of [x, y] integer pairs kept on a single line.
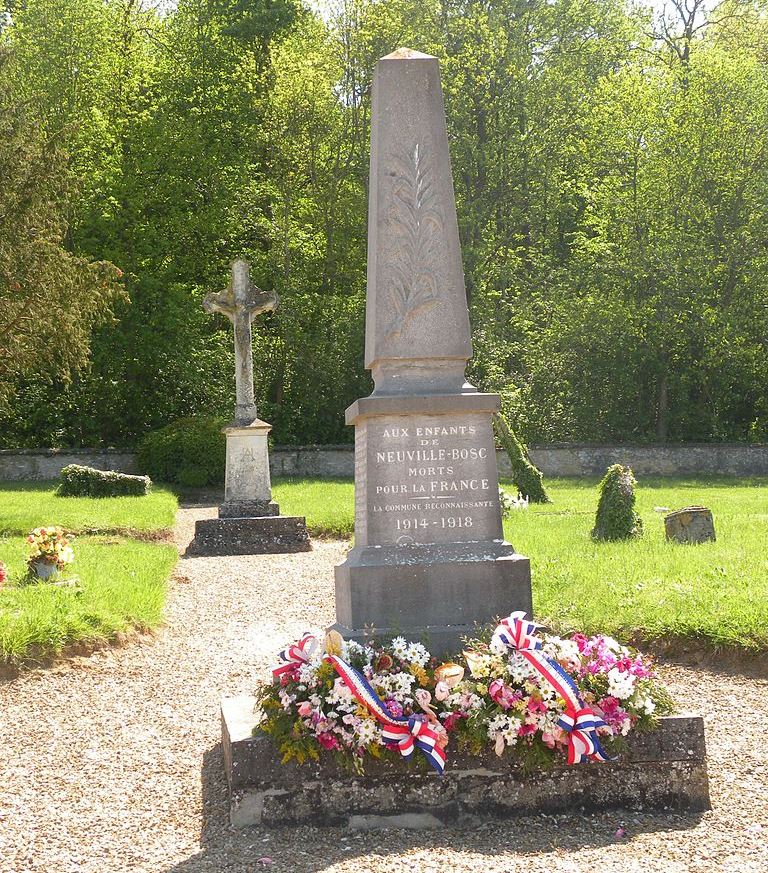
[[241, 302]]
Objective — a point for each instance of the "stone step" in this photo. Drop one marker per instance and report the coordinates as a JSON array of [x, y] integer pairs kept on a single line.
[[266, 535], [662, 769]]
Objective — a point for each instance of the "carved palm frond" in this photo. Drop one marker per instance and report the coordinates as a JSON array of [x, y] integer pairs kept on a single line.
[[417, 222]]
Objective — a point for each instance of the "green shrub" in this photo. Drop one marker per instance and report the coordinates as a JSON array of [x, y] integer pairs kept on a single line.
[[77, 481], [616, 517], [190, 451], [525, 475]]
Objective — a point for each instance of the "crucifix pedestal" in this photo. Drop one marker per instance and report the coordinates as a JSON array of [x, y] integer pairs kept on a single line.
[[249, 520]]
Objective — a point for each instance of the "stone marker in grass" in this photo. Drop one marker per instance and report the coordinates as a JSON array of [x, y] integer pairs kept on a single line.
[[430, 560], [249, 522], [694, 524]]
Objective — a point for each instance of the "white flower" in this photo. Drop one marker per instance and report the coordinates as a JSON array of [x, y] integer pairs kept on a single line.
[[518, 668], [417, 654], [498, 647], [286, 699], [368, 732], [505, 726], [561, 650], [400, 648], [644, 703], [620, 685], [351, 649], [308, 674]]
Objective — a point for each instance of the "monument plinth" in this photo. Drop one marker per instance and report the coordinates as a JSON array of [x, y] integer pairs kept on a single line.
[[249, 522], [430, 558]]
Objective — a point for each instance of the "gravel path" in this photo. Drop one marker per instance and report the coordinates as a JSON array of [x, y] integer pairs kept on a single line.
[[101, 757]]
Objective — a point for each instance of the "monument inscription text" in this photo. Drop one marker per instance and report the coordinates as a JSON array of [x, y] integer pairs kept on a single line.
[[431, 479]]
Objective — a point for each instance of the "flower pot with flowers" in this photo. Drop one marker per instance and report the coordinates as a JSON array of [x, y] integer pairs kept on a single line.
[[50, 551]]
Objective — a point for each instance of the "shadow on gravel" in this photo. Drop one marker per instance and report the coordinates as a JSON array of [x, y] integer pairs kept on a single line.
[[311, 850]]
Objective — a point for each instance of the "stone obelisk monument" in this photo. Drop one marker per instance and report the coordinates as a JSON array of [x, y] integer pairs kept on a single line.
[[429, 560], [249, 521]]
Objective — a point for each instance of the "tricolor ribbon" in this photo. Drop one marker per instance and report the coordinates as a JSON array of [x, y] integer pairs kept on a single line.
[[579, 721], [406, 732], [296, 655]]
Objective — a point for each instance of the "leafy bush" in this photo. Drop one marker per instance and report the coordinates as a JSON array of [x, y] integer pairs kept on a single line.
[[77, 481], [525, 475], [190, 451], [616, 517]]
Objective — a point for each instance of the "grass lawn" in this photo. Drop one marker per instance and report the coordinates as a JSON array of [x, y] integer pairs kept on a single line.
[[327, 504], [646, 589], [25, 505], [122, 580]]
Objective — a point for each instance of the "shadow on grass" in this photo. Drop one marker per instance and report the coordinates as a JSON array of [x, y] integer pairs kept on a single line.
[[303, 849]]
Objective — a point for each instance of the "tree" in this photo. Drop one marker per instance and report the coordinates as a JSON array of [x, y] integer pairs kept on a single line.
[[50, 300]]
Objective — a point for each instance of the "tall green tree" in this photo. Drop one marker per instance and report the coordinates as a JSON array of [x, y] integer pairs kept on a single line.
[[50, 300]]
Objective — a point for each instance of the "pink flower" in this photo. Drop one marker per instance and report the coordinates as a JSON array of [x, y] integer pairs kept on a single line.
[[341, 688], [580, 640], [452, 719], [395, 708], [328, 741], [502, 695], [305, 709], [526, 729], [442, 691], [613, 715], [549, 739], [423, 697], [536, 705]]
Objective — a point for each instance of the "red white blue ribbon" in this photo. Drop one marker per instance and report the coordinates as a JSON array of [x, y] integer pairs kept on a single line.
[[296, 655], [579, 721], [406, 732]]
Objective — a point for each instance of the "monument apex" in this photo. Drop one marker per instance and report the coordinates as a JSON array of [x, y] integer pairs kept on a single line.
[[417, 324]]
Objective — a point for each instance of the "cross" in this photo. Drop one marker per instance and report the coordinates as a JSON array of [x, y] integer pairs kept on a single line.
[[241, 302]]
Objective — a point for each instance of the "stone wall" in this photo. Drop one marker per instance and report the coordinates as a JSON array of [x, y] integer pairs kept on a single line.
[[692, 459], [698, 459], [24, 464], [731, 459]]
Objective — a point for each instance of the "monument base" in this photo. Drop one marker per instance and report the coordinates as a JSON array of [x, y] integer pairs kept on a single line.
[[248, 508], [659, 770], [262, 535], [437, 594]]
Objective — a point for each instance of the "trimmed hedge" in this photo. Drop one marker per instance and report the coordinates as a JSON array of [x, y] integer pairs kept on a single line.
[[526, 476], [616, 517], [190, 451], [77, 481]]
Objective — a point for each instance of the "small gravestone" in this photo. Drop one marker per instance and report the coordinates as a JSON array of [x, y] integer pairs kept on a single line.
[[249, 522], [430, 560], [694, 524]]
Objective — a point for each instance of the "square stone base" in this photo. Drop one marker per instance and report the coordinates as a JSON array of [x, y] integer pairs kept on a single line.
[[663, 769], [437, 594], [266, 535]]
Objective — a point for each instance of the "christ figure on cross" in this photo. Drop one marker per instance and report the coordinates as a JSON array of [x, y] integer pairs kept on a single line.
[[241, 302]]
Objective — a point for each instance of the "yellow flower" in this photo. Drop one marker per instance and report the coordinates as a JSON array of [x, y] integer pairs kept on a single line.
[[333, 642]]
